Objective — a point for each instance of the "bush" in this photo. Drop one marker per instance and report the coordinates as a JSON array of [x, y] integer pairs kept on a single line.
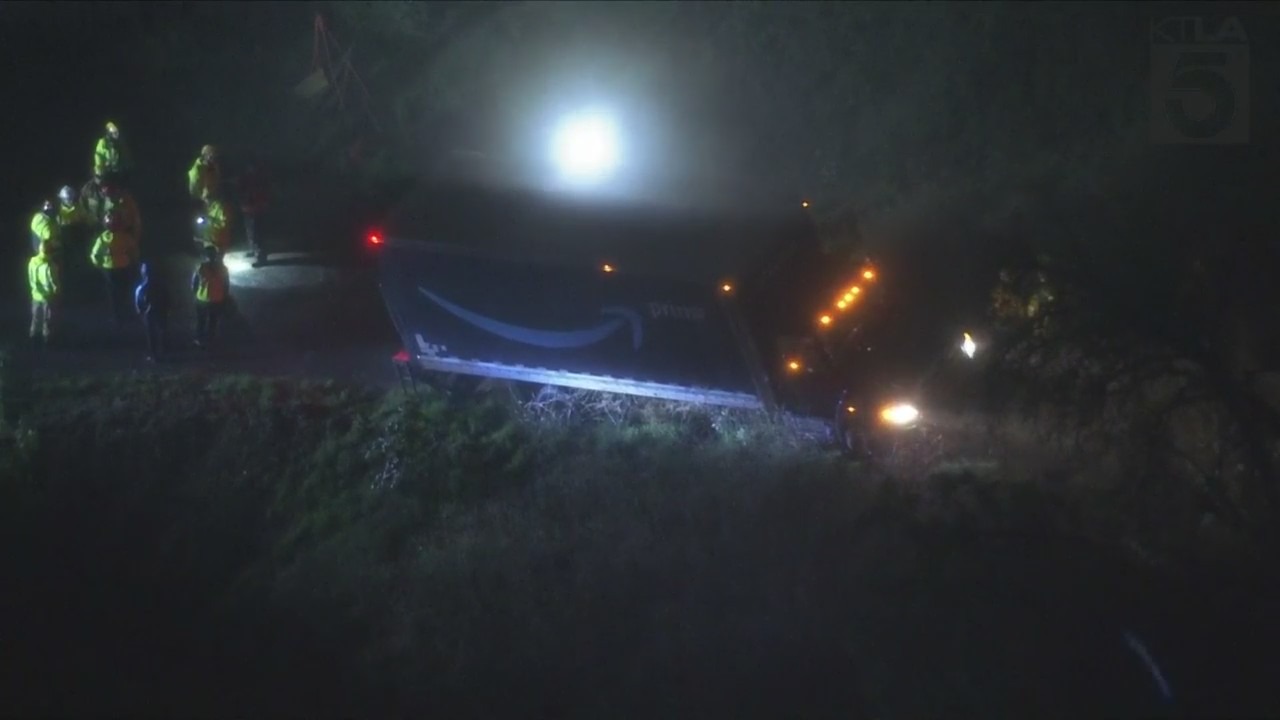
[[268, 547]]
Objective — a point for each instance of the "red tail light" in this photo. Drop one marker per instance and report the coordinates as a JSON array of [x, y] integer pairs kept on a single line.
[[374, 239]]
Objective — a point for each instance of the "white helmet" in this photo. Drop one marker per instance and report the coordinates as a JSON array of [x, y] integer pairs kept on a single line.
[[67, 195]]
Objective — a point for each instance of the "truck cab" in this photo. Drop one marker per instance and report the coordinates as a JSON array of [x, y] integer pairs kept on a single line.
[[809, 310]]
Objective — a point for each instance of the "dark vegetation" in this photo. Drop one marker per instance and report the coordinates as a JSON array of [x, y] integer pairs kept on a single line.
[[223, 546], [570, 557]]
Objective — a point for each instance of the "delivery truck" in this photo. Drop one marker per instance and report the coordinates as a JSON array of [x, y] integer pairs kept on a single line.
[[738, 308]]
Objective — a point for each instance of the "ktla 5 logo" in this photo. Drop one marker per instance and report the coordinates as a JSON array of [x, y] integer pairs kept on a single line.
[[1199, 81]]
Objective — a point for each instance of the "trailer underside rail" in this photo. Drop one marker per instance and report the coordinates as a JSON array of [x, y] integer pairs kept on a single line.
[[586, 381]]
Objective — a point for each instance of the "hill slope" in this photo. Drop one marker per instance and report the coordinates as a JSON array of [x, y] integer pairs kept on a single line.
[[213, 546]]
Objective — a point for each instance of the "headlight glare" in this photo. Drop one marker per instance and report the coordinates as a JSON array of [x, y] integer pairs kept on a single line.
[[899, 414]]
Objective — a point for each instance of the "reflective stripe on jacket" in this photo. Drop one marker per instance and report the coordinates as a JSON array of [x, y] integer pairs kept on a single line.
[[151, 298]]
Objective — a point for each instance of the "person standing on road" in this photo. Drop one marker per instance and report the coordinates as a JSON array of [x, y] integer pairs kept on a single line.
[[44, 229], [120, 201], [73, 219], [75, 235], [211, 285], [93, 198], [70, 212], [115, 253], [254, 198], [42, 276], [205, 176], [151, 300], [111, 155]]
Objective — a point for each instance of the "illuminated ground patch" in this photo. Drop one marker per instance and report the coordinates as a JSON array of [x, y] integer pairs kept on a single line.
[[281, 271]]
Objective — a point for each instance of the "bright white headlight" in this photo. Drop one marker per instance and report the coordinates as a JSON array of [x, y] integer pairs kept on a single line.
[[968, 346], [899, 414]]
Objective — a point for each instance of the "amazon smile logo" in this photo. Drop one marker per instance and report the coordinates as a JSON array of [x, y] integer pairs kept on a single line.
[[556, 339]]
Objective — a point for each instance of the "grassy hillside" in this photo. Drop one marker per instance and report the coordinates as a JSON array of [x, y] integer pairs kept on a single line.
[[208, 545]]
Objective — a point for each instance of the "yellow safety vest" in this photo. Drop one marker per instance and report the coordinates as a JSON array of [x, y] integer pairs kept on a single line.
[[219, 229], [112, 250], [42, 279], [45, 230], [106, 157], [202, 176]]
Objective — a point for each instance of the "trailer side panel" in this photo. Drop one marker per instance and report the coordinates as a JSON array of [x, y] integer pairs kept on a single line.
[[573, 326]]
